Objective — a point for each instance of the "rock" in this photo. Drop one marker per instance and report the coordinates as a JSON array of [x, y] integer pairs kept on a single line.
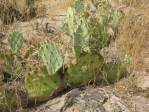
[[141, 103], [115, 104], [142, 81], [110, 53], [87, 100]]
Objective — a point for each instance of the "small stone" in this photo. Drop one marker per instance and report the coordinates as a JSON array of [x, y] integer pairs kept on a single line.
[[143, 81], [115, 104], [141, 103]]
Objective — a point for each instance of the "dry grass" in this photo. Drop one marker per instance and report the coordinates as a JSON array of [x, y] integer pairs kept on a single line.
[[59, 6], [12, 10], [135, 3], [133, 34], [51, 7], [20, 5]]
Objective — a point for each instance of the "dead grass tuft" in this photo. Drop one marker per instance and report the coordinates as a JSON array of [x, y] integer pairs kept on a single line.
[[12, 10], [135, 3], [59, 6], [133, 36]]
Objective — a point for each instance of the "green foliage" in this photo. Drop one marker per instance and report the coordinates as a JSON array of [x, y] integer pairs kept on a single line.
[[99, 36], [104, 4], [70, 22], [112, 72], [15, 41], [90, 35], [51, 56], [127, 60], [8, 101], [87, 69], [39, 85], [78, 30], [11, 59], [116, 17], [11, 65], [81, 38], [79, 6], [103, 8]]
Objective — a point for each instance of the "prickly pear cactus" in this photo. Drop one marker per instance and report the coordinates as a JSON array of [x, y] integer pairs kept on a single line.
[[70, 22], [15, 41], [51, 56], [81, 38], [10, 65], [87, 69], [39, 85], [77, 29], [99, 36]]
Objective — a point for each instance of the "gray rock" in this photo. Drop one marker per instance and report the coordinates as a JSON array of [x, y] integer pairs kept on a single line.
[[88, 100], [115, 104], [142, 81], [141, 103]]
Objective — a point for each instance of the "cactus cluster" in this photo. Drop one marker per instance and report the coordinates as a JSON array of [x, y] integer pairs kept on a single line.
[[99, 36], [90, 34], [77, 29]]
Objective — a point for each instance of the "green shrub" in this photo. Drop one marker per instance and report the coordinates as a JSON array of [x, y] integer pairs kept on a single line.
[[99, 36], [112, 72]]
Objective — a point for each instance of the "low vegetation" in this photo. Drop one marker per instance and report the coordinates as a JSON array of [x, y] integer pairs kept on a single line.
[[88, 31]]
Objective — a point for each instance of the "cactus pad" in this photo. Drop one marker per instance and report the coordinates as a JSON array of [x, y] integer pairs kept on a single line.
[[51, 56]]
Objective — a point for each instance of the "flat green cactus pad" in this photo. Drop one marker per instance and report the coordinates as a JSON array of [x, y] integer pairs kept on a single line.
[[15, 40], [40, 85], [85, 70], [51, 57]]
